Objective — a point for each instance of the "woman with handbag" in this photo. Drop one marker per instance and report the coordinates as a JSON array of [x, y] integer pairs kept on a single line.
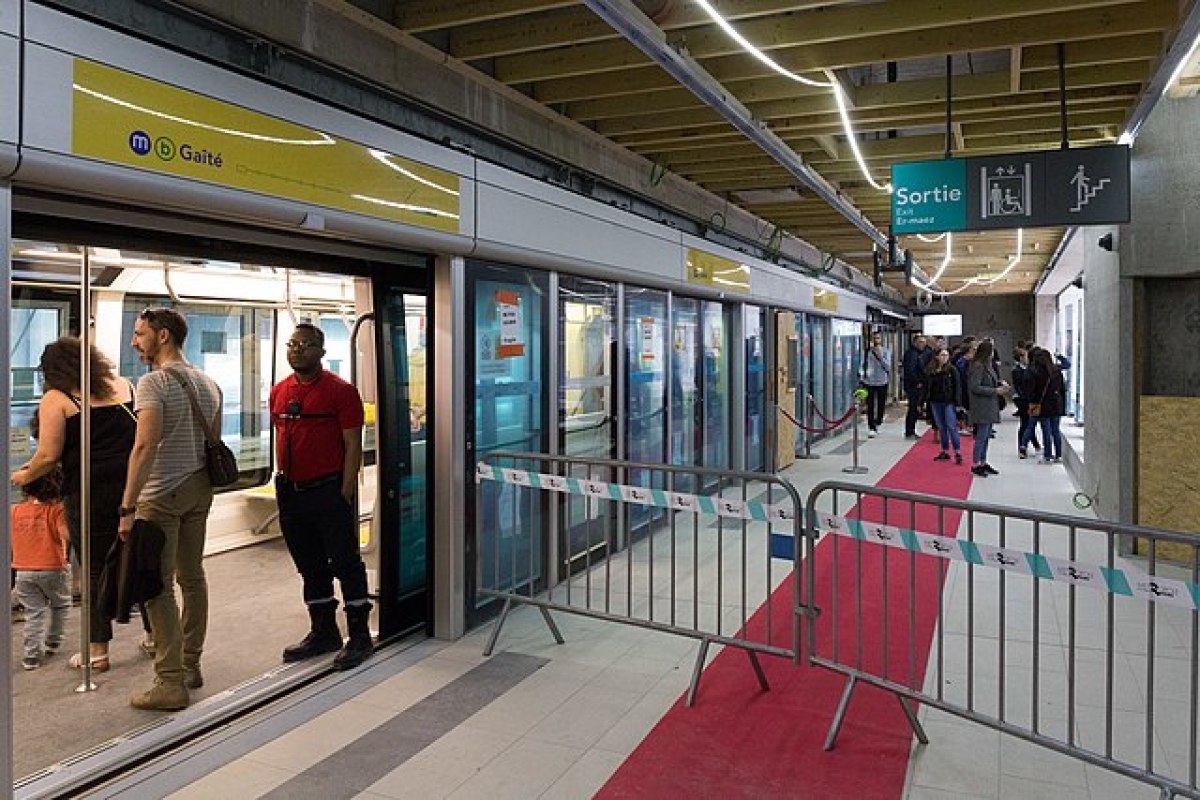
[[59, 442], [1048, 408]]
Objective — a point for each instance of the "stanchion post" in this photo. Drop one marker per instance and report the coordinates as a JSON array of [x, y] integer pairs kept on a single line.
[[808, 424], [855, 468]]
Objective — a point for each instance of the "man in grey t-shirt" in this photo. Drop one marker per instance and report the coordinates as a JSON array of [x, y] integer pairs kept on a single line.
[[168, 484]]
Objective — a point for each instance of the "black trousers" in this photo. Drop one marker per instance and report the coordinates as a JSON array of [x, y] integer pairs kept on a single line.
[[322, 536], [876, 402], [916, 406]]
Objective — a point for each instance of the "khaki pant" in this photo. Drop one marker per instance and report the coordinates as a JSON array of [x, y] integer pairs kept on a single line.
[[183, 514]]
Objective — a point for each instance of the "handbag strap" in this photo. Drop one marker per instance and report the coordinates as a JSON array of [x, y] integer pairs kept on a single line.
[[198, 415]]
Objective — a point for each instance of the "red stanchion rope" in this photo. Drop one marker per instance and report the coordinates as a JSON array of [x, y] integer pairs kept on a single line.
[[827, 420], [804, 427]]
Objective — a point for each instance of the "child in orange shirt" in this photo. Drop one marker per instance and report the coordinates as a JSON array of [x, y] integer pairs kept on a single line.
[[39, 555]]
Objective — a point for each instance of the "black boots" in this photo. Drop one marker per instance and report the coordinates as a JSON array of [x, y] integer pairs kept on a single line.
[[323, 638], [359, 647]]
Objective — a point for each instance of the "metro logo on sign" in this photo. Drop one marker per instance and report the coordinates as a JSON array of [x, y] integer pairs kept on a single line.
[[929, 196]]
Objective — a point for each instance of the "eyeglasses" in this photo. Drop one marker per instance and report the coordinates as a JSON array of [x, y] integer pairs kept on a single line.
[[294, 345]]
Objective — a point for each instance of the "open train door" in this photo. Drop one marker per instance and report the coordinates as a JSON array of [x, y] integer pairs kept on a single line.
[[786, 374]]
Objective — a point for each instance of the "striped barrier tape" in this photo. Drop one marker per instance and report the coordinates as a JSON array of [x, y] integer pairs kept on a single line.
[[778, 515], [1124, 582]]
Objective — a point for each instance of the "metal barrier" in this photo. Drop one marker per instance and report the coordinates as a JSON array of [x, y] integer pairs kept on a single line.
[[682, 550], [1038, 627]]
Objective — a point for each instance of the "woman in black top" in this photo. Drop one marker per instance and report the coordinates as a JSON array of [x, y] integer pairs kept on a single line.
[[112, 432], [945, 398], [1048, 391]]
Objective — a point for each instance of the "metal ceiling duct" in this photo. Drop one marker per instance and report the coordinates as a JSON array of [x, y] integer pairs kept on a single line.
[[628, 20]]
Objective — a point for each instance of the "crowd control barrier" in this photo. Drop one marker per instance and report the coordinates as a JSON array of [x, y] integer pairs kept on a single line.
[[683, 550], [1027, 622]]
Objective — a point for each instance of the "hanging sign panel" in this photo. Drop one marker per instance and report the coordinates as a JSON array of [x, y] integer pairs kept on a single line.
[[1088, 186]]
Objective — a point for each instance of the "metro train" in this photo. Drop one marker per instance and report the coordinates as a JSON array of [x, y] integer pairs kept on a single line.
[[476, 308]]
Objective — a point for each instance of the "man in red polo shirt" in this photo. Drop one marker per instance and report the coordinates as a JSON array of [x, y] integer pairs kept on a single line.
[[318, 420]]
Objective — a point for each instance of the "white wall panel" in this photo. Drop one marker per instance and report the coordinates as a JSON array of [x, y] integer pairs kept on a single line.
[[553, 227], [10, 16]]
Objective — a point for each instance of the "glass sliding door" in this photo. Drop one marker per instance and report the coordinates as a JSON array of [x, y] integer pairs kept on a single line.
[[506, 362], [818, 328], [686, 420], [646, 395], [405, 601], [715, 377], [586, 407], [847, 353], [756, 388]]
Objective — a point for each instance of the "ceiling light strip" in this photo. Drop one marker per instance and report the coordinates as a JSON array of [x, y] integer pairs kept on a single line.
[[839, 93]]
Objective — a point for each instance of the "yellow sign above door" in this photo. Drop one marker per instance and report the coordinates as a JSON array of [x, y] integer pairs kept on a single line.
[[719, 273], [126, 119]]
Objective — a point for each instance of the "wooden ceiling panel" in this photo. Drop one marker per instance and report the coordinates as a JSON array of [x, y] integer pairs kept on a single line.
[[1005, 93]]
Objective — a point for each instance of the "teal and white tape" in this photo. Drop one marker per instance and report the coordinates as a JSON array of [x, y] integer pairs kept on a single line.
[[1124, 582], [778, 515]]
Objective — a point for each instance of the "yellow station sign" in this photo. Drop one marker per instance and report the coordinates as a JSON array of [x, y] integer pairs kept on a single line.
[[719, 273], [124, 118]]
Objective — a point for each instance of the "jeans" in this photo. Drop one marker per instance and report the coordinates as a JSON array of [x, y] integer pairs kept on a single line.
[[1026, 431], [41, 591], [182, 513], [983, 435], [947, 424], [322, 535], [876, 402], [1051, 436]]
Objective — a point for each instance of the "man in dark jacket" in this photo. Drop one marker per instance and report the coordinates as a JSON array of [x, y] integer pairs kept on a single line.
[[915, 361]]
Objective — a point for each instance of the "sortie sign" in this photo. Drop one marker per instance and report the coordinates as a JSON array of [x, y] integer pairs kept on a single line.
[[1088, 186]]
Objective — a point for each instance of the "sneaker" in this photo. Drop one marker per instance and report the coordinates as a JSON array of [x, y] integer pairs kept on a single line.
[[50, 648], [872, 433], [990, 470], [958, 458], [192, 677], [1058, 459], [980, 471], [30, 662], [1045, 461], [911, 436], [942, 456], [1022, 454], [161, 697]]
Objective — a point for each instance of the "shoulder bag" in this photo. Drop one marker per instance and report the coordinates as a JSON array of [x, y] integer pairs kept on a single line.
[[1035, 409], [218, 458]]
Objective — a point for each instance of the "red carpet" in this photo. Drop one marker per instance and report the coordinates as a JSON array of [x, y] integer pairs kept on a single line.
[[741, 742]]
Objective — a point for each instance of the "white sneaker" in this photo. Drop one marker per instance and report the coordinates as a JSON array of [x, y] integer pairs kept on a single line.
[[872, 433]]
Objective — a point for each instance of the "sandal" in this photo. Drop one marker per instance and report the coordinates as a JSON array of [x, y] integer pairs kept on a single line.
[[99, 663]]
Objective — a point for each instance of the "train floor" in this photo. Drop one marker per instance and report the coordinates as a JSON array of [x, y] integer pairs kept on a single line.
[[603, 713], [255, 609]]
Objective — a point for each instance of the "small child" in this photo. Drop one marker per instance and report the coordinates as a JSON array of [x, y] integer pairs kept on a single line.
[[39, 555]]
